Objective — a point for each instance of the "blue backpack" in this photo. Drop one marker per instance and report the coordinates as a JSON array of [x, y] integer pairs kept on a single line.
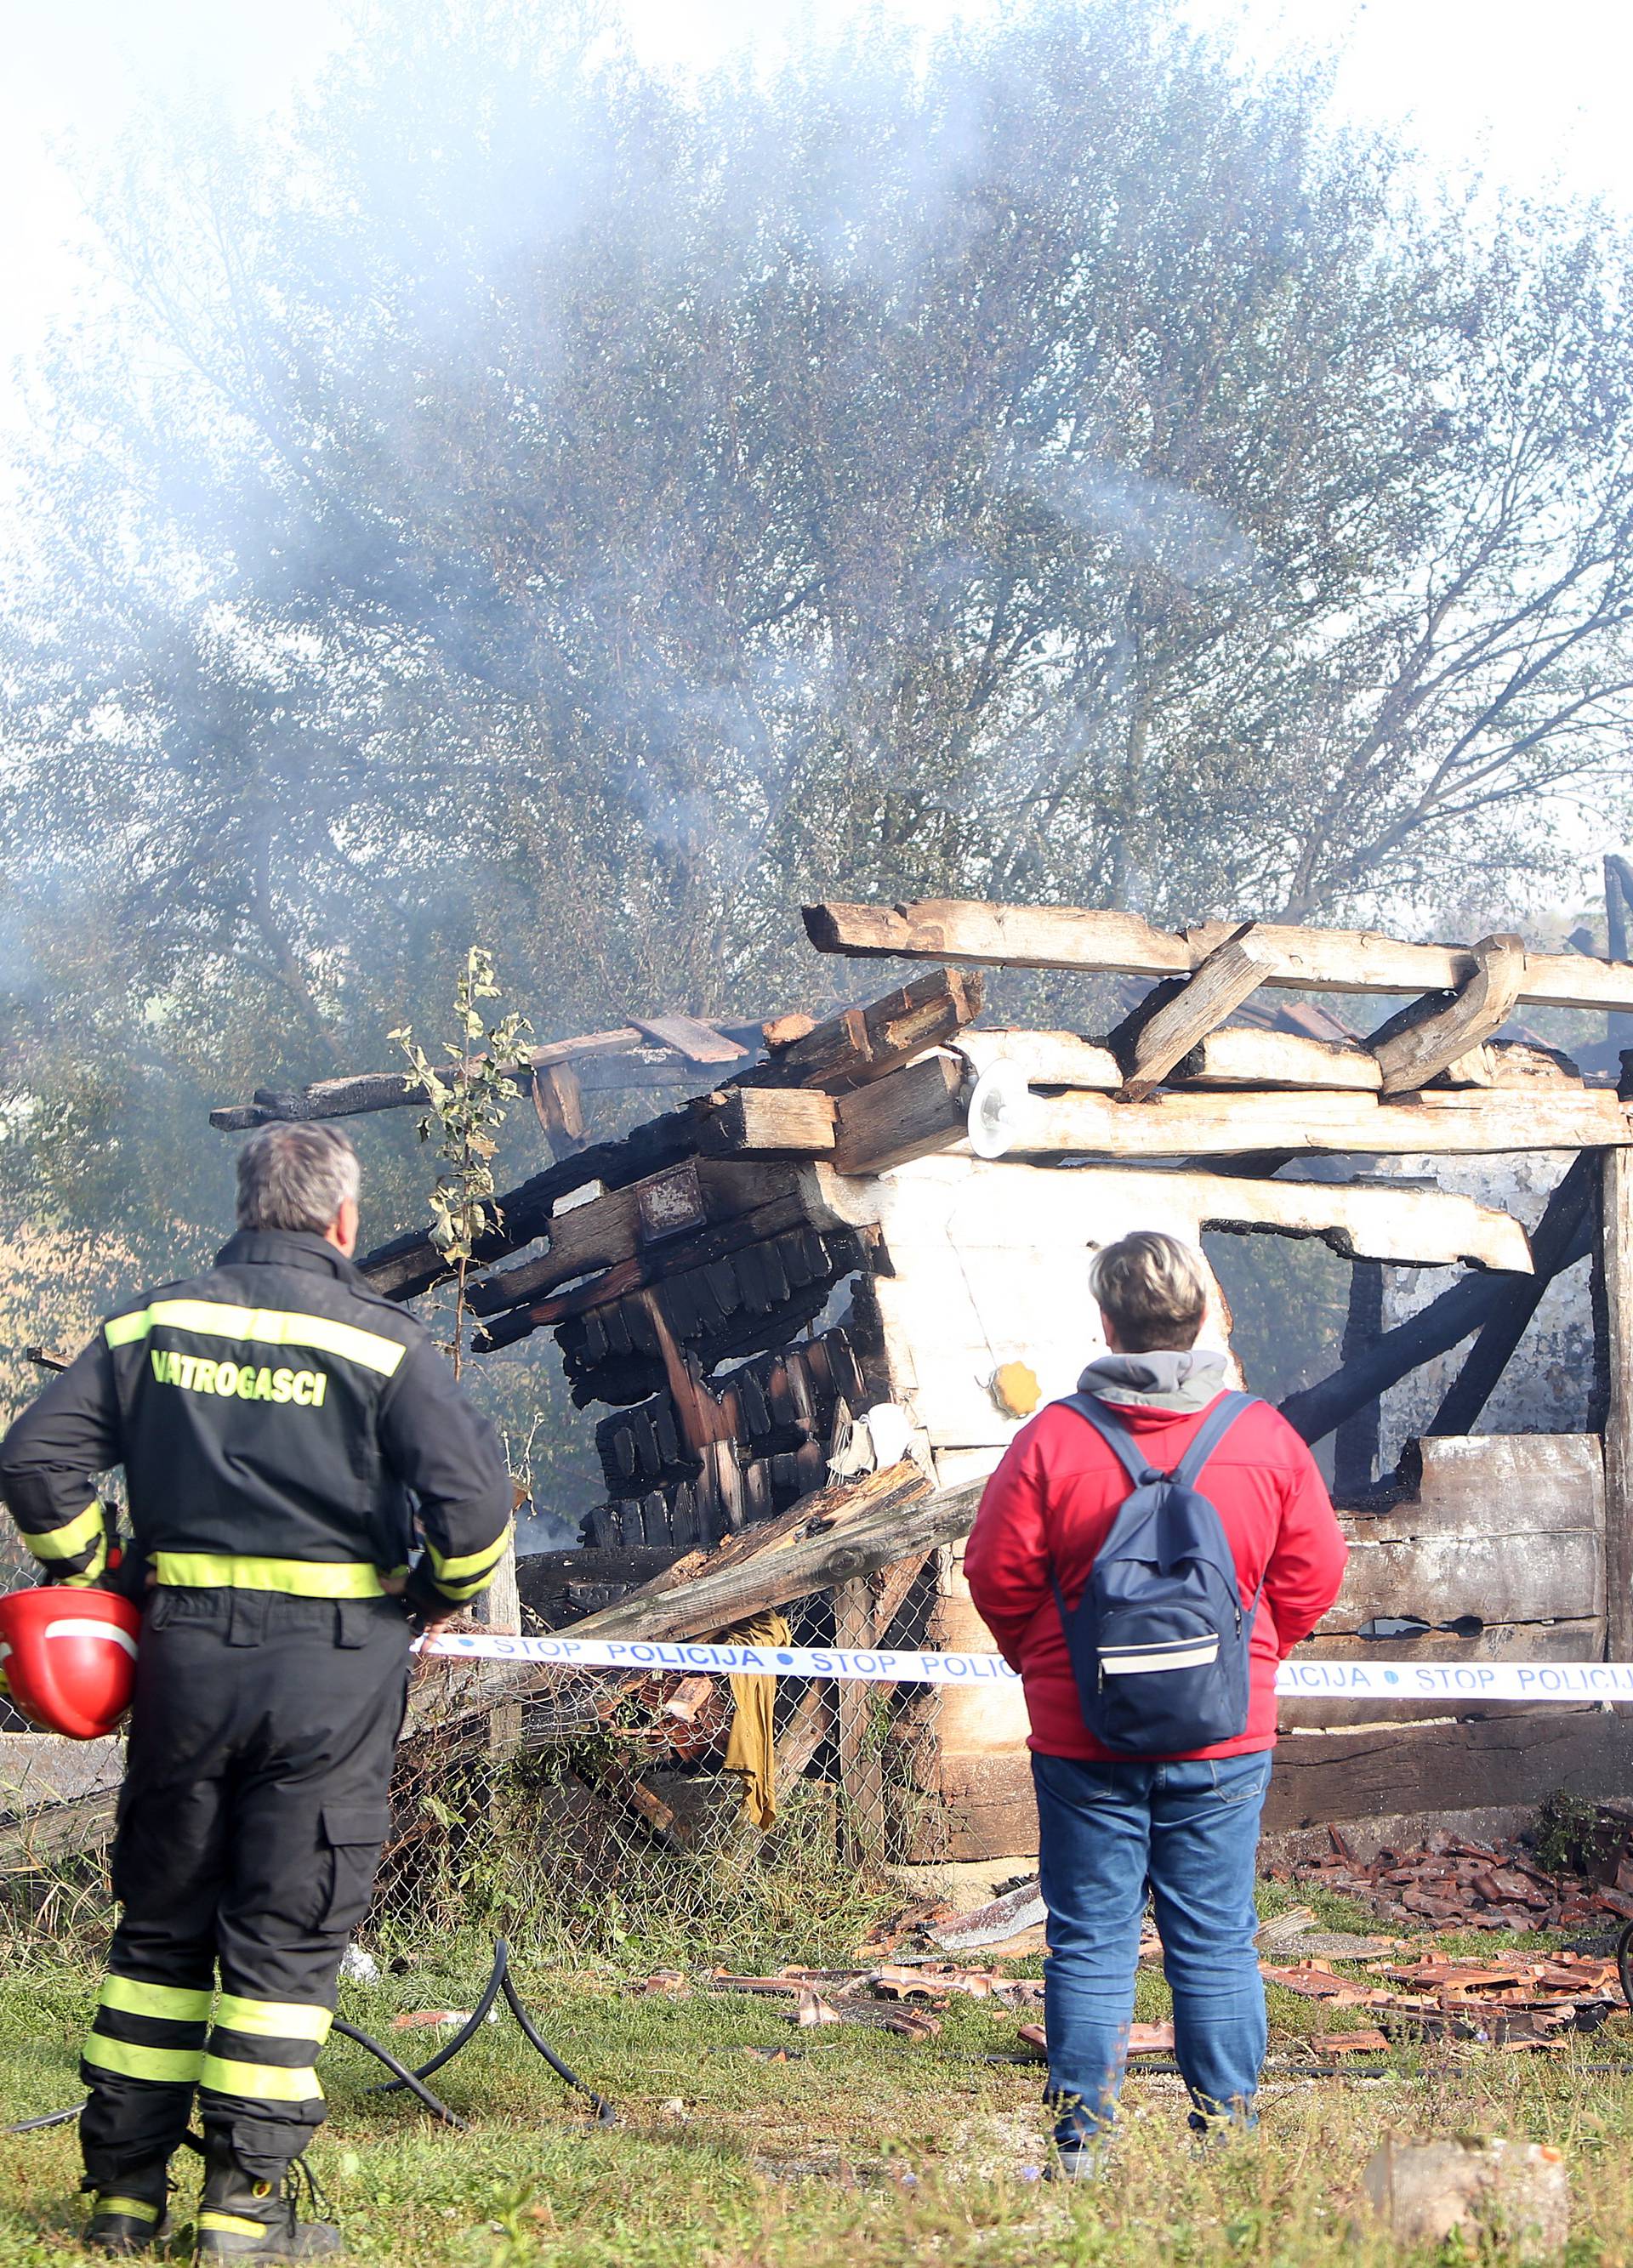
[[1158, 1642]]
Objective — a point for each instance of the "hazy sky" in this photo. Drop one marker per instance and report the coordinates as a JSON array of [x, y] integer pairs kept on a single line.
[[1537, 96]]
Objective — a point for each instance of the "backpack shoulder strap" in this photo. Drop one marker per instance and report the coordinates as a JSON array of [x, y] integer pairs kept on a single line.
[[1209, 1434], [1112, 1431]]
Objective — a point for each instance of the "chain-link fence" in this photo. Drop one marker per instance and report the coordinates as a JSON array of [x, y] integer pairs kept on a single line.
[[615, 1814], [635, 1809]]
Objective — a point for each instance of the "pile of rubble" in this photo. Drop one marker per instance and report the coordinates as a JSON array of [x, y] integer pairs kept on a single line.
[[1521, 2001], [1518, 2002], [894, 1998], [1452, 1883]]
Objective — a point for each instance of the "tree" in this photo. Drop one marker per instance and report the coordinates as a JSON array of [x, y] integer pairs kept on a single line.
[[512, 500]]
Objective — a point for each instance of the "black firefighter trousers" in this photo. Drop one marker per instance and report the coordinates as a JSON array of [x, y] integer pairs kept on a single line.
[[250, 1824]]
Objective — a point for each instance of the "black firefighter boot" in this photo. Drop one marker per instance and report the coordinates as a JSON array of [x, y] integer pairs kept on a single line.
[[242, 2219], [128, 2215]]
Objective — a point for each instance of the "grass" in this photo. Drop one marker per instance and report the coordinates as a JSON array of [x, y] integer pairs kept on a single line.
[[866, 2150]]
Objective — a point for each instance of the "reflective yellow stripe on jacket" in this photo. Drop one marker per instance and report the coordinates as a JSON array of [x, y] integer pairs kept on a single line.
[[462, 1576], [84, 1539], [297, 1578], [273, 1326]]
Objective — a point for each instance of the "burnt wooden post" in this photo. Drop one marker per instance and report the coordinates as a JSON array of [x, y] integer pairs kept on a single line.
[[1616, 1272], [856, 1705], [1355, 1438]]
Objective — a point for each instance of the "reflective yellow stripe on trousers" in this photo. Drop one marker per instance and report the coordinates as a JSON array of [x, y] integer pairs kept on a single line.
[[261, 2083], [150, 2032]]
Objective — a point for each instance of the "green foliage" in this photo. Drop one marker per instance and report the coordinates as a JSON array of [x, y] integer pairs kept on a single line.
[[1566, 1831], [1289, 1298], [467, 1100], [467, 1107]]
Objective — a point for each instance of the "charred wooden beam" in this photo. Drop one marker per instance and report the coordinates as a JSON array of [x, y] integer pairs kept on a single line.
[[697, 1193], [698, 1042], [862, 1044], [1515, 1302], [558, 1100], [1356, 1442], [1309, 960], [1416, 1225], [911, 1113], [410, 1264], [1512, 1063], [1561, 1239], [739, 1304], [792, 1122], [630, 1054], [831, 1537], [845, 1050], [639, 1269], [1517, 1758]]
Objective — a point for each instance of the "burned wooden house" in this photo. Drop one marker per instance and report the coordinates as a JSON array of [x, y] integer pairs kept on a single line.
[[814, 1303]]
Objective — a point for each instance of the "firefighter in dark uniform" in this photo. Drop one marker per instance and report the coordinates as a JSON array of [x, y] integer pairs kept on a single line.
[[291, 1440]]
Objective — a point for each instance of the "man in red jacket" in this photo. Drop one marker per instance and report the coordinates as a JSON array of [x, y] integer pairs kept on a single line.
[[1186, 1827]]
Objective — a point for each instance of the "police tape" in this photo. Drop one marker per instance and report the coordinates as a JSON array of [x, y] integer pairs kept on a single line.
[[1429, 1683]]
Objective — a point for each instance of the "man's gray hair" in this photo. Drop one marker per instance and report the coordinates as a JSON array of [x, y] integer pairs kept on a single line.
[[1151, 1287], [294, 1176]]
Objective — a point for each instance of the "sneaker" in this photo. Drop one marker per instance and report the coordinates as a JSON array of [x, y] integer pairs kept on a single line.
[[1075, 2161]]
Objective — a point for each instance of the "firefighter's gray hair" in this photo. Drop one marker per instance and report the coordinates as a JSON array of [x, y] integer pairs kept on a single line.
[[294, 1176], [1152, 1288]]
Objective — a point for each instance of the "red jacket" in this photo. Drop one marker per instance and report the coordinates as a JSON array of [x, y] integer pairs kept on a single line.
[[1053, 1497]]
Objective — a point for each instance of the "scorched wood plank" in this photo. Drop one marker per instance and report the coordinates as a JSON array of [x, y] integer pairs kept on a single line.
[[1411, 1049], [1494, 1483], [702, 1192], [863, 1044], [1514, 1759], [1455, 1122], [1221, 983]]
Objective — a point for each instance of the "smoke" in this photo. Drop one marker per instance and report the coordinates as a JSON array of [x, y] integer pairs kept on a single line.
[[515, 494], [1153, 524]]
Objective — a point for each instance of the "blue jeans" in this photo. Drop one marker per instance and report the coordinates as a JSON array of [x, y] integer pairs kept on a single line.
[[1190, 1833]]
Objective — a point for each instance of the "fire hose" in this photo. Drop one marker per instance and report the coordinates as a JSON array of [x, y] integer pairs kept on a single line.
[[499, 1983]]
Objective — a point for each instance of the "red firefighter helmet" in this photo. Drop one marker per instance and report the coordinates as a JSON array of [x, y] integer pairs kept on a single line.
[[68, 1658]]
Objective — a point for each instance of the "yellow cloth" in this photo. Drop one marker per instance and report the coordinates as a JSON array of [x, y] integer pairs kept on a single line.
[[752, 1749]]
